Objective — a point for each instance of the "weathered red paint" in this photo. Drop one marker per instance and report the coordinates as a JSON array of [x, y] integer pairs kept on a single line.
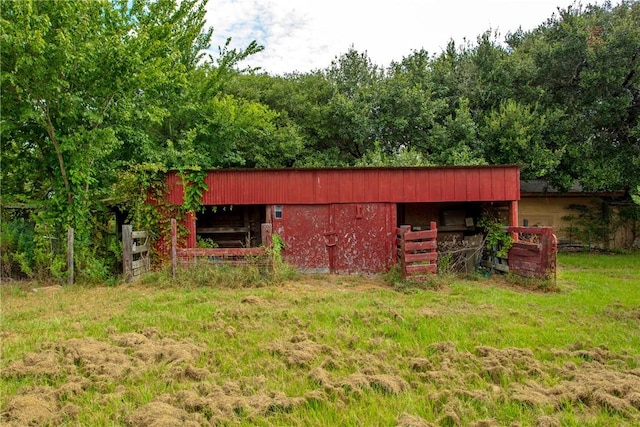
[[338, 238], [533, 254], [417, 250], [344, 220], [364, 185]]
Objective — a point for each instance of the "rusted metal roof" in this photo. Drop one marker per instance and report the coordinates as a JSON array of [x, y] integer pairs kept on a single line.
[[355, 185]]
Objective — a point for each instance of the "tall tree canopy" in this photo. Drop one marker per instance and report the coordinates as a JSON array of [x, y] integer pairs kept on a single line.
[[91, 87]]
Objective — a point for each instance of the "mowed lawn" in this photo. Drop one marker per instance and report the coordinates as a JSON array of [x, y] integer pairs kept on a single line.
[[327, 351]]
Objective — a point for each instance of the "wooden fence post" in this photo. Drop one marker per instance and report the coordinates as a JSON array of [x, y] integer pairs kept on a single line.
[[174, 246], [266, 231], [127, 253], [401, 250], [70, 265]]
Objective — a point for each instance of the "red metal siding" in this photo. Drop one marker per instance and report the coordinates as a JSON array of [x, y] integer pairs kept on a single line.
[[367, 185]]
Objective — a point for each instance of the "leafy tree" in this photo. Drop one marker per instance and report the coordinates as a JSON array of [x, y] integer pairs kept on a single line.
[[64, 90], [406, 108], [587, 64], [636, 195], [514, 134], [348, 117], [455, 140], [84, 86]]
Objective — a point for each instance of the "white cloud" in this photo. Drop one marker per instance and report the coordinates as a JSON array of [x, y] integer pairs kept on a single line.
[[307, 35]]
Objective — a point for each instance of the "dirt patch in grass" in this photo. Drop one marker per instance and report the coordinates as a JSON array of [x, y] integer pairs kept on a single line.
[[227, 402], [340, 361], [588, 378], [44, 363]]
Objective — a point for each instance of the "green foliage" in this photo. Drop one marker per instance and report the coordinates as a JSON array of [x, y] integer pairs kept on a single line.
[[402, 157], [194, 185], [277, 247], [595, 225], [18, 247], [285, 346], [205, 242], [514, 134], [212, 275], [281, 270], [100, 98], [497, 240], [589, 225]]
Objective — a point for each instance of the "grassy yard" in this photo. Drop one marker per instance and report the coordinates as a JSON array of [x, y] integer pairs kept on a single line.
[[327, 351]]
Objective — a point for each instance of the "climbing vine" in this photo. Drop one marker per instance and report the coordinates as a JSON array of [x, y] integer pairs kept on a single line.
[[497, 241], [194, 185]]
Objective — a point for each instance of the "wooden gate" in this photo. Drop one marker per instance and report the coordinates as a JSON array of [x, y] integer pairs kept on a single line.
[[533, 253], [135, 252], [417, 251]]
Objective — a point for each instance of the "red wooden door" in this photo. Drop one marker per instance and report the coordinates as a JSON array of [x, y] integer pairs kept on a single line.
[[338, 238], [303, 229], [365, 235]]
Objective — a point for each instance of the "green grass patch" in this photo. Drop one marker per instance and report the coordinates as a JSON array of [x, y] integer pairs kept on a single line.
[[240, 347]]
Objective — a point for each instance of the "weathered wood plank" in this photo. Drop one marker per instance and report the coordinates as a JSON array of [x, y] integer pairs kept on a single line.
[[527, 246], [420, 235], [140, 249], [427, 256], [519, 264], [220, 252], [529, 230], [501, 267], [70, 263], [222, 230], [266, 230], [422, 268], [420, 246], [139, 234], [139, 264], [524, 253], [127, 255]]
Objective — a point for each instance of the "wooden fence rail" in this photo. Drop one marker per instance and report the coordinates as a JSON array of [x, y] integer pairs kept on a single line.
[[534, 251], [135, 252], [417, 251], [228, 256]]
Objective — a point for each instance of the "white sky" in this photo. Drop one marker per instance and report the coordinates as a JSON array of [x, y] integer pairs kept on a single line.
[[306, 35]]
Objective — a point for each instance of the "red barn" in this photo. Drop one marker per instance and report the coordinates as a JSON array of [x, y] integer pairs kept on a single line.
[[344, 220]]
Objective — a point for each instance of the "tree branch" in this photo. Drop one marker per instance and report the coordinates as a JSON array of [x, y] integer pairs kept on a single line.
[[104, 111], [56, 144]]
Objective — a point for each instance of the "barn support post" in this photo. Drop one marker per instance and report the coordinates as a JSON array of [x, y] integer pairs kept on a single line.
[[70, 264], [266, 230], [127, 252], [174, 247], [191, 226], [513, 217]]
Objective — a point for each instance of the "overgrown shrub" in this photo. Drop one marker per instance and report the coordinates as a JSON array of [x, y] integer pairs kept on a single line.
[[17, 244]]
